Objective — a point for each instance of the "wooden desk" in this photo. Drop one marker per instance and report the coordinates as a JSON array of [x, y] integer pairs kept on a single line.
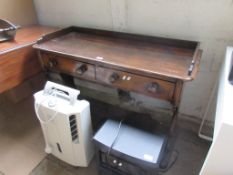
[[152, 66], [18, 60]]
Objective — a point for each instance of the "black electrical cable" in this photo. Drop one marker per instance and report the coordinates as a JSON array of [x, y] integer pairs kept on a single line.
[[114, 141]]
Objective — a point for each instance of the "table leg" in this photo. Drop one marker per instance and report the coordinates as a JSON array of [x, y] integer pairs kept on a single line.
[[174, 120]]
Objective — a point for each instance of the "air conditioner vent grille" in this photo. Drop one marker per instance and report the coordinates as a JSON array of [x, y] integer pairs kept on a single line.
[[73, 128]]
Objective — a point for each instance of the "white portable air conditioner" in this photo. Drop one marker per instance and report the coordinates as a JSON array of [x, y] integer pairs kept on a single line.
[[66, 124]]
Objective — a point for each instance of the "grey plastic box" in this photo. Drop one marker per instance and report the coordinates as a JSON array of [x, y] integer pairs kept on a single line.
[[131, 144]]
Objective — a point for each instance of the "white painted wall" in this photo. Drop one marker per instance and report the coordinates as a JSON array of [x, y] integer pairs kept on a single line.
[[207, 21], [219, 157], [20, 12]]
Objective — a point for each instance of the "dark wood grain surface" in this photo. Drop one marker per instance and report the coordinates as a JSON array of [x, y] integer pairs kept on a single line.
[[153, 66], [148, 86], [68, 66], [16, 66], [158, 58], [18, 60], [25, 36]]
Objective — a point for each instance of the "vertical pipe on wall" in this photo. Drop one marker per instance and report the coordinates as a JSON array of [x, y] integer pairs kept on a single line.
[[211, 99]]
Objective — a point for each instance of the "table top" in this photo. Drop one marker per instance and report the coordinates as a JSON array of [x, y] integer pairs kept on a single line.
[[25, 36], [160, 56]]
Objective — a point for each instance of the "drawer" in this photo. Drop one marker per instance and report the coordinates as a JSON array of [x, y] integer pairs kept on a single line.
[[145, 85], [69, 66]]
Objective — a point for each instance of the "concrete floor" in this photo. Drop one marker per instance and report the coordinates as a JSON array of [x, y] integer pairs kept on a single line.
[[21, 138], [192, 150]]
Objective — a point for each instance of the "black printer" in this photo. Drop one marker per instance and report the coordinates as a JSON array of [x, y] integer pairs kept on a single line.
[[126, 150]]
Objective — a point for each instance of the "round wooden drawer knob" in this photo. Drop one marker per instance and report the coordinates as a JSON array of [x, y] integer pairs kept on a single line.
[[153, 87], [81, 69], [114, 77], [52, 63]]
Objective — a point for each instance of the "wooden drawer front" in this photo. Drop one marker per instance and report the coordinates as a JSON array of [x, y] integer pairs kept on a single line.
[[69, 66], [148, 86]]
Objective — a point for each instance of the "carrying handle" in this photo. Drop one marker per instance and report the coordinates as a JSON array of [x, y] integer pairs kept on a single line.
[[69, 93]]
